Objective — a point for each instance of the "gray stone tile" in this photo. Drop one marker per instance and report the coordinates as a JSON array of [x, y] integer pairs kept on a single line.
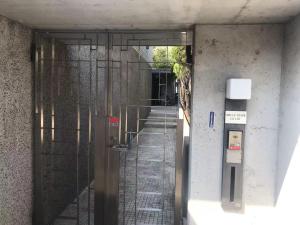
[[154, 178]]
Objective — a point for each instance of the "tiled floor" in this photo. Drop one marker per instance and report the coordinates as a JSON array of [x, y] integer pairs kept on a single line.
[[149, 192], [146, 195]]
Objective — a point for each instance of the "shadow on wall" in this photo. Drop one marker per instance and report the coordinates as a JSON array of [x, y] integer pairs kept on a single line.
[[288, 164], [287, 192]]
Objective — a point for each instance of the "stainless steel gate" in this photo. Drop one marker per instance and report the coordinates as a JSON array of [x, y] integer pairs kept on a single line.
[[93, 119]]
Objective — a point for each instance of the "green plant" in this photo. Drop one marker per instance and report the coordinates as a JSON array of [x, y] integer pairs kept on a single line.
[[160, 58], [173, 57]]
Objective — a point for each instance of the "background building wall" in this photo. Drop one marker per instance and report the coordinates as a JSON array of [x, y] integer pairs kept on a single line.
[[146, 52], [15, 124], [139, 86], [288, 185], [222, 52]]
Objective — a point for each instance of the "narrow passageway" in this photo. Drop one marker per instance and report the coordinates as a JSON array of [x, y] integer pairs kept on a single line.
[[147, 195]]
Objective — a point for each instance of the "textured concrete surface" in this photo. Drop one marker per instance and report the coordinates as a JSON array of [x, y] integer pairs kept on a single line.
[[146, 14], [147, 173], [222, 52], [15, 124], [288, 165]]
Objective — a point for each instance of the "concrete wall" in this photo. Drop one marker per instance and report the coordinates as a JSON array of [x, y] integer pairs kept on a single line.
[[139, 86], [222, 52], [288, 185], [15, 124], [146, 52], [131, 85]]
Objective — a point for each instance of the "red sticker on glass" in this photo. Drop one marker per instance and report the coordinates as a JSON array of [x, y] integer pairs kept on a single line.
[[114, 121], [234, 147]]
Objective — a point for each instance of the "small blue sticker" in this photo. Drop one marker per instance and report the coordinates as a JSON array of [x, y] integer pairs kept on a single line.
[[211, 119]]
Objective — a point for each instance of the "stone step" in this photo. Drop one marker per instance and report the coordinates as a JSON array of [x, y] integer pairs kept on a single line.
[[154, 124], [161, 119], [168, 114]]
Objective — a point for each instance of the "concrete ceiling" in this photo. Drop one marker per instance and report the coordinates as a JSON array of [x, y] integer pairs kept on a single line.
[[145, 14]]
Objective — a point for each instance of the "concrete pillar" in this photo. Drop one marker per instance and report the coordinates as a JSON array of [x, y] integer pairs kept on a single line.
[[15, 124], [222, 52]]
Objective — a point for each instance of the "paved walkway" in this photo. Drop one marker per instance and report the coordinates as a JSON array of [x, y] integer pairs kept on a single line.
[[149, 193], [146, 195]]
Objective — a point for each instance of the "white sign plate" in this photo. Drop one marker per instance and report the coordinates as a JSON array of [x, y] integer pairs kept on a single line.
[[236, 117]]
